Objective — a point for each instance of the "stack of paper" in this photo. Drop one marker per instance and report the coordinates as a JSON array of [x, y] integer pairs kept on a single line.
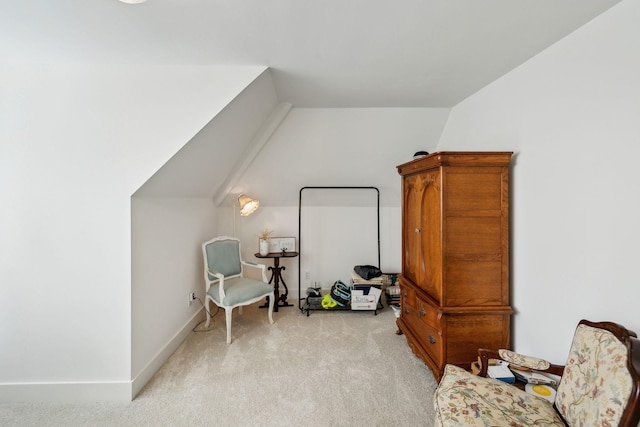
[[535, 377], [501, 372], [357, 279]]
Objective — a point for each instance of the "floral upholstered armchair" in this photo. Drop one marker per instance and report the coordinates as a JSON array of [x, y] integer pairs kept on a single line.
[[599, 386]]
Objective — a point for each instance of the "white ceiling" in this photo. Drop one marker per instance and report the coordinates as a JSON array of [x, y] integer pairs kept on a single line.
[[323, 53]]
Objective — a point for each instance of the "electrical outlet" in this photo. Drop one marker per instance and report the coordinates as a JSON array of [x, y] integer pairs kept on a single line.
[[192, 297], [307, 275]]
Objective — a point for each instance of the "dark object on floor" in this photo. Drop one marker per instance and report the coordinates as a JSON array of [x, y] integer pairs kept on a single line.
[[367, 271]]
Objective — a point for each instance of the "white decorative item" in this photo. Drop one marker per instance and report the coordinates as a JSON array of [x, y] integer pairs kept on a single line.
[[279, 244], [264, 247], [264, 241]]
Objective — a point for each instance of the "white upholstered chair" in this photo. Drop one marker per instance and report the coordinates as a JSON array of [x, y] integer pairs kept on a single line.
[[225, 283]]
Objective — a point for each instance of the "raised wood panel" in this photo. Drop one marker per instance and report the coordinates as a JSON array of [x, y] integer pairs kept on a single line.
[[474, 283], [475, 189], [412, 257], [473, 235], [431, 236], [465, 333]]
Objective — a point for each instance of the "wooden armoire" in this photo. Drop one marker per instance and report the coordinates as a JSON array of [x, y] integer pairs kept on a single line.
[[455, 256]]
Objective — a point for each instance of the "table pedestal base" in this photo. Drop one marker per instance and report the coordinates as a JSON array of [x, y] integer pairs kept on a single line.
[[276, 279]]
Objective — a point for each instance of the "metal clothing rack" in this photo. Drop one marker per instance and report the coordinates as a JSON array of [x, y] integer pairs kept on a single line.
[[301, 307]]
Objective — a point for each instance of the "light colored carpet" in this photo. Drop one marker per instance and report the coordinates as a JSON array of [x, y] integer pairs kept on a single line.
[[328, 369]]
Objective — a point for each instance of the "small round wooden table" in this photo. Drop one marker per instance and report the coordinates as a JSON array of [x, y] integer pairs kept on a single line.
[[276, 278]]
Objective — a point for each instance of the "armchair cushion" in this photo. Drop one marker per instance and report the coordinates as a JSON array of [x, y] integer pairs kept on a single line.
[[463, 399], [596, 384], [523, 360], [239, 290]]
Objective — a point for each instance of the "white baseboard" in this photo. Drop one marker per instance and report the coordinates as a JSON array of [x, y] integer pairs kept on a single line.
[[66, 392], [119, 391], [143, 377]]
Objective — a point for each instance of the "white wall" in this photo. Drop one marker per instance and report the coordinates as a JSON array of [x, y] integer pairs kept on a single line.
[[334, 239], [76, 142], [342, 146], [284, 221], [334, 146], [166, 266], [173, 213], [571, 116]]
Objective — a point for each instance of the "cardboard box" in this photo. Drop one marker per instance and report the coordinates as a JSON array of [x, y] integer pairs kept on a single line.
[[360, 301], [365, 287]]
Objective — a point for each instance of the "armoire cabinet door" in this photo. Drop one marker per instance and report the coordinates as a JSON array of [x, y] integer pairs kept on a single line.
[[422, 261], [412, 259], [431, 235]]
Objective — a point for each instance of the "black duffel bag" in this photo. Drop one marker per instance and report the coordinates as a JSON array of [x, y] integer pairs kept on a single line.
[[367, 271]]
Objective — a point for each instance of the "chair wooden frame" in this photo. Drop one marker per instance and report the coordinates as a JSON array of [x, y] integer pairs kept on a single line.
[[631, 415]]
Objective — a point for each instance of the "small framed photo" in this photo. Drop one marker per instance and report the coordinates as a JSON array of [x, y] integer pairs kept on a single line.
[[279, 244]]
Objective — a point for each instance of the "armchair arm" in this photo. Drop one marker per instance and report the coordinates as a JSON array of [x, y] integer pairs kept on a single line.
[[261, 267], [215, 274], [220, 278], [516, 361]]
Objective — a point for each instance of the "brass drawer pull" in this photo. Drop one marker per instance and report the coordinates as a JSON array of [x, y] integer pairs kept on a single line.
[[417, 230], [423, 312], [432, 340], [406, 310], [404, 294]]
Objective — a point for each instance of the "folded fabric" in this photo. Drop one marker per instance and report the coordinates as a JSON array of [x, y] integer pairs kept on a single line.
[[356, 279]]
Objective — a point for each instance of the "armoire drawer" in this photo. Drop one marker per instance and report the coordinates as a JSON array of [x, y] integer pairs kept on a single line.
[[424, 325], [408, 296], [427, 313]]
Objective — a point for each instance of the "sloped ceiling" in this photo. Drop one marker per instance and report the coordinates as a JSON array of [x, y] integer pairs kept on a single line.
[[329, 53], [200, 168]]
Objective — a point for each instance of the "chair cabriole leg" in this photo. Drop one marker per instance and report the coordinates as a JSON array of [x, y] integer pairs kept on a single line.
[[206, 309], [228, 312], [271, 300]]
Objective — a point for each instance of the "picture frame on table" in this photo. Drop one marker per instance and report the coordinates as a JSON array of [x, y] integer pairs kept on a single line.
[[278, 244]]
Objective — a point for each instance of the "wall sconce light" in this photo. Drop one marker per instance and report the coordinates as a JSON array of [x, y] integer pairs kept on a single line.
[[247, 205]]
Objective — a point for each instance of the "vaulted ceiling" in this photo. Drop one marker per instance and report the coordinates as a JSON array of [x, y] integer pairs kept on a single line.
[[329, 53]]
